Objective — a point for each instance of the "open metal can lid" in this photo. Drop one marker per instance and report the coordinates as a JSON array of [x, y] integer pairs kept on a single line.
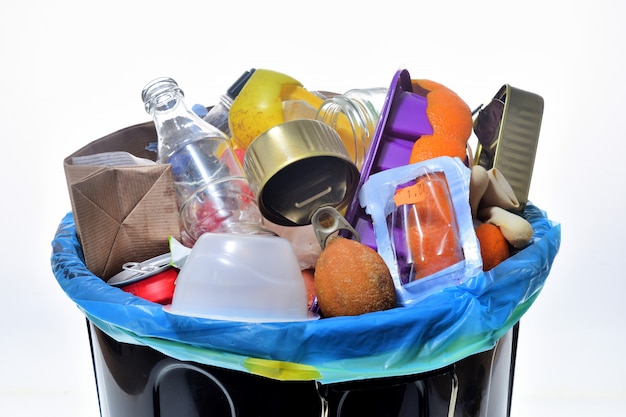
[[137, 271], [297, 167]]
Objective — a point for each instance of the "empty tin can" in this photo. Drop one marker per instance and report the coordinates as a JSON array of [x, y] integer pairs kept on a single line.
[[297, 167]]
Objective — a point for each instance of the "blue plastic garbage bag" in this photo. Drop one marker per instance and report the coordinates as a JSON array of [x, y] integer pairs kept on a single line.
[[440, 330]]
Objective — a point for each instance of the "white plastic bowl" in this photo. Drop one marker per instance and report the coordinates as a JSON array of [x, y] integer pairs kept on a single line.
[[238, 277]]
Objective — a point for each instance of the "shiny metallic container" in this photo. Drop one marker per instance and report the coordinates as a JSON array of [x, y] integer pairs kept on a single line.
[[513, 148], [297, 167]]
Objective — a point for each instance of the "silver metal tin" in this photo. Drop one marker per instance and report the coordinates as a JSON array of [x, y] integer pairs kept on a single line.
[[514, 147]]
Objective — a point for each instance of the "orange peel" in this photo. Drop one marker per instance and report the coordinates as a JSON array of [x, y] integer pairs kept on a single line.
[[450, 118]]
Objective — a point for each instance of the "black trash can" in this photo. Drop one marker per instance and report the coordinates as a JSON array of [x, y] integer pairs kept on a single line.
[[138, 381], [452, 354]]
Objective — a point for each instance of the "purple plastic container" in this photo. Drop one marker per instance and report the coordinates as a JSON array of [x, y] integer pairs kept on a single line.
[[403, 120]]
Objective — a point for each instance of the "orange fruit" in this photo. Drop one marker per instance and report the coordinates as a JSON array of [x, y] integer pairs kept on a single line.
[[494, 248], [352, 279]]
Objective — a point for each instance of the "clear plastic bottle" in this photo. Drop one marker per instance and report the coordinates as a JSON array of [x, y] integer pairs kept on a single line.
[[212, 192], [218, 114], [354, 115]]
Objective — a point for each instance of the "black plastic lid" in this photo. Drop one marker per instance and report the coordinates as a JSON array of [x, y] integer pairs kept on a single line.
[[233, 90]]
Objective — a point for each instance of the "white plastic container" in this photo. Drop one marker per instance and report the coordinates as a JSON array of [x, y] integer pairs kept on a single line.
[[238, 277]]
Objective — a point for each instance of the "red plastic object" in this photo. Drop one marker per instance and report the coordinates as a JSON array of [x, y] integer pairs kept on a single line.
[[158, 288]]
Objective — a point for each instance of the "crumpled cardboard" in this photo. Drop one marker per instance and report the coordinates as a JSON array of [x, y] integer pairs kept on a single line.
[[122, 213]]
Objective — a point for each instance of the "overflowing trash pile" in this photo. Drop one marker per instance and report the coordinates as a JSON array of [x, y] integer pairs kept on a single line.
[[302, 234]]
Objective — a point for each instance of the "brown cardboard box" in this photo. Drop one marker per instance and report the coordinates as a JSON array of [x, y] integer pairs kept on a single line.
[[123, 213]]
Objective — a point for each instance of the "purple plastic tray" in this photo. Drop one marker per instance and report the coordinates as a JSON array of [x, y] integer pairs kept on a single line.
[[402, 121]]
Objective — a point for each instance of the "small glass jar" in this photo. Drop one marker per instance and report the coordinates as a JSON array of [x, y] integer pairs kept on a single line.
[[354, 116]]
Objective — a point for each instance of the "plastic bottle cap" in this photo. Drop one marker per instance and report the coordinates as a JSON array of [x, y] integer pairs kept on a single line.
[[234, 90]]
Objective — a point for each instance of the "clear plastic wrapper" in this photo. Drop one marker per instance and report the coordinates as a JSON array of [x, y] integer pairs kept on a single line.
[[377, 197]]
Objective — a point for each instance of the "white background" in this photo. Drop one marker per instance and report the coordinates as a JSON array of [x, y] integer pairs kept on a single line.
[[72, 71]]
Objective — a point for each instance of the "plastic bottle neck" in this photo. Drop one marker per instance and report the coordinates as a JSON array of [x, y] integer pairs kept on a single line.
[[175, 123], [161, 94]]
